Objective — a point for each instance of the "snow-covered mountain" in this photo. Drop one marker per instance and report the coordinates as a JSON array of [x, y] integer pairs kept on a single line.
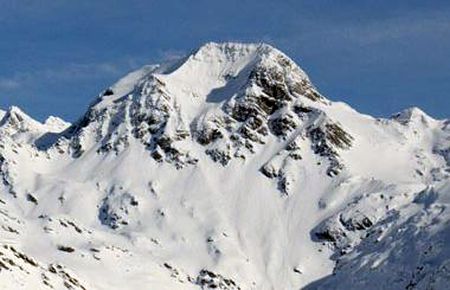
[[226, 169]]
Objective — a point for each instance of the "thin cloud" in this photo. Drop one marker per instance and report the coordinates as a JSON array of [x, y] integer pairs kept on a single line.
[[80, 71], [327, 35], [171, 54], [9, 84], [69, 72], [396, 28]]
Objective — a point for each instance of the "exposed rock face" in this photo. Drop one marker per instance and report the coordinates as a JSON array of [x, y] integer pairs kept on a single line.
[[51, 276], [117, 209], [327, 139], [210, 280], [265, 106], [147, 114]]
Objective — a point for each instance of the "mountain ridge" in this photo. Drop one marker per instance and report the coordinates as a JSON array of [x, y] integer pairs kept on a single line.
[[225, 169]]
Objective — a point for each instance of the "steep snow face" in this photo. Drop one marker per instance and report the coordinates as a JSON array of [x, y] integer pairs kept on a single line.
[[225, 169]]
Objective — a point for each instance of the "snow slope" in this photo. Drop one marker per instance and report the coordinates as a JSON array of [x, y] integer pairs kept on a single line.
[[224, 169]]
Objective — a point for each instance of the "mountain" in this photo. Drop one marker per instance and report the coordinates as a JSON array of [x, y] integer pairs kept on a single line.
[[226, 169]]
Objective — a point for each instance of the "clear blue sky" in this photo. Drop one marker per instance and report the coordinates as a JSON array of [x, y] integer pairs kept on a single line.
[[379, 56]]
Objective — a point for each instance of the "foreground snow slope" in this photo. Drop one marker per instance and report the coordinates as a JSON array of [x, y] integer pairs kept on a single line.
[[225, 169]]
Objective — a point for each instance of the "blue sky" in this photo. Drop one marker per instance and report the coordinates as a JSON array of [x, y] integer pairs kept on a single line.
[[378, 56]]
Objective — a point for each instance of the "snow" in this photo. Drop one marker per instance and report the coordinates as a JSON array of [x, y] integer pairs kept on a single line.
[[342, 194], [56, 124]]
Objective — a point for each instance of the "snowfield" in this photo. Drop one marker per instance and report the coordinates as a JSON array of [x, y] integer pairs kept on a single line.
[[226, 169]]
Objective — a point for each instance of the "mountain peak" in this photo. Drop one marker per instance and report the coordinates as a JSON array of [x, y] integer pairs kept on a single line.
[[15, 110], [15, 116], [209, 70], [56, 124], [412, 115], [226, 47], [233, 50], [228, 65], [226, 90]]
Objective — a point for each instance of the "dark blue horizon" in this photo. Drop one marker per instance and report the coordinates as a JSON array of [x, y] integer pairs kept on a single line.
[[379, 57]]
